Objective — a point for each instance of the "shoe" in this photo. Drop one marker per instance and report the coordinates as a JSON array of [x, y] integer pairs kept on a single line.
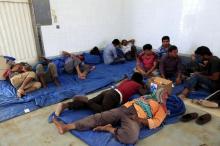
[[189, 117], [203, 119]]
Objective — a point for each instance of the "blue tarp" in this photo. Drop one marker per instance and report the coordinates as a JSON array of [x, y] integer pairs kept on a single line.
[[175, 106], [102, 76]]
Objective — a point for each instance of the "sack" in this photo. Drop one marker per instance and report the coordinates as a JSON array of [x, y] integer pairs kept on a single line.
[[156, 83], [4, 66]]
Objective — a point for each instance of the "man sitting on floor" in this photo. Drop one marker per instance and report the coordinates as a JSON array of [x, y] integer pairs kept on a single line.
[[209, 78], [107, 99], [110, 54], [23, 78], [147, 62], [170, 65], [74, 64], [132, 116], [49, 75], [163, 49]]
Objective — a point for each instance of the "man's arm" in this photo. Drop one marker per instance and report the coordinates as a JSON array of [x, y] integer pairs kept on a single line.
[[156, 120], [161, 67], [152, 68]]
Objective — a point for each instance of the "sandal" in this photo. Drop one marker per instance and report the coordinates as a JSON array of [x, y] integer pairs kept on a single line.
[[203, 119], [189, 117]]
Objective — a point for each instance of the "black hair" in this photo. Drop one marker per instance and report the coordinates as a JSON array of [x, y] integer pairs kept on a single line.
[[116, 42], [165, 38], [147, 47], [171, 48], [137, 77], [203, 50]]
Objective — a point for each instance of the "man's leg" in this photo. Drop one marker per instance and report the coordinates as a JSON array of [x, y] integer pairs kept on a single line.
[[78, 102], [105, 101], [118, 60], [192, 82], [29, 76], [32, 86], [53, 73], [128, 132], [41, 74], [90, 122]]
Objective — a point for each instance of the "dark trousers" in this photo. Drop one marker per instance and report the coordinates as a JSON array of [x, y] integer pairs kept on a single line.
[[202, 81], [104, 101], [129, 129]]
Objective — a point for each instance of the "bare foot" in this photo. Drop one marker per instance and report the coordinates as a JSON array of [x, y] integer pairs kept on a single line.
[[20, 93], [107, 128], [82, 76], [182, 96], [59, 109], [60, 126]]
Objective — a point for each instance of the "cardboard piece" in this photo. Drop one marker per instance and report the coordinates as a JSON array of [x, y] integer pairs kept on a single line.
[[157, 82]]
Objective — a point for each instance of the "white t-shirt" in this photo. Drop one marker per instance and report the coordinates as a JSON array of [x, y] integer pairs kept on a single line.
[[127, 48]]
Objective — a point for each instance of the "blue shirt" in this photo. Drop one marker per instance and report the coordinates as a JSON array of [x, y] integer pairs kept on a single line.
[[109, 54], [162, 51]]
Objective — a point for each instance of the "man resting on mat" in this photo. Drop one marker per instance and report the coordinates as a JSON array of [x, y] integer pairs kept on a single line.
[[149, 110], [107, 99]]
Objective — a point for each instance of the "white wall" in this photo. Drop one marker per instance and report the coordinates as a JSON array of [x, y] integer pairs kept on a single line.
[[189, 23], [83, 24], [86, 23]]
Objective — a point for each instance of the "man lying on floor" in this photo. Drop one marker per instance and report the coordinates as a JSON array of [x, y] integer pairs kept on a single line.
[[47, 75], [149, 110], [74, 65], [22, 78], [108, 99]]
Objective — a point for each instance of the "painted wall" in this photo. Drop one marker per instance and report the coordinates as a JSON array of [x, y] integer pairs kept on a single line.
[[83, 24], [189, 23], [86, 23]]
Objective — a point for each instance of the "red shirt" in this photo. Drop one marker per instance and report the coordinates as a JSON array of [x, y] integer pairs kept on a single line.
[[128, 88], [147, 60]]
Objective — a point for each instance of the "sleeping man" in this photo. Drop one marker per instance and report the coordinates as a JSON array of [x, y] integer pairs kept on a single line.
[[108, 99], [146, 110]]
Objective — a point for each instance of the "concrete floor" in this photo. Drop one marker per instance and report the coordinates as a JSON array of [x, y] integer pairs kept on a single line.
[[33, 129]]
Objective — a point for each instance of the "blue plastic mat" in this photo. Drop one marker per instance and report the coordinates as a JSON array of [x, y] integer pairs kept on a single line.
[[102, 76], [175, 106]]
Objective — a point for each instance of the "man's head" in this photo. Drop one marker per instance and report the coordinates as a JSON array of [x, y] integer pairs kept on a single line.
[[124, 42], [147, 49], [203, 52], [137, 77], [173, 51], [165, 41], [116, 43]]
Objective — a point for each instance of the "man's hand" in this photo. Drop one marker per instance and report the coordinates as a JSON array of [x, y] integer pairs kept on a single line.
[[178, 80]]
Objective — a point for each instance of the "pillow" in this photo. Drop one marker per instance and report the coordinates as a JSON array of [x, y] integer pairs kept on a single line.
[[92, 59]]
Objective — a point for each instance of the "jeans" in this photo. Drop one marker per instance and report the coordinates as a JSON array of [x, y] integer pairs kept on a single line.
[[199, 80]]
